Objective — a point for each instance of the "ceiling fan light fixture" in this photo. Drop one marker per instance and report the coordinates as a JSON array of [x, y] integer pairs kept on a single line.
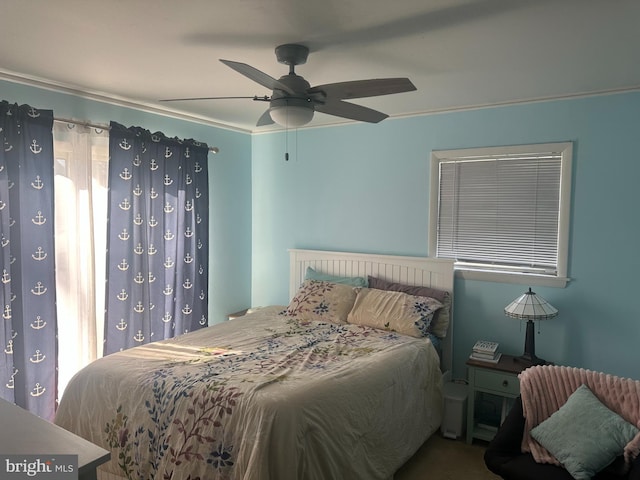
[[291, 116], [291, 112]]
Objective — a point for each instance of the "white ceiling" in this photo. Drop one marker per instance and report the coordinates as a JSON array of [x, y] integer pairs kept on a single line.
[[458, 53]]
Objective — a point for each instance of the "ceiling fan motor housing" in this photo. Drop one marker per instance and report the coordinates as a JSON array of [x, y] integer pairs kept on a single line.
[[296, 83]]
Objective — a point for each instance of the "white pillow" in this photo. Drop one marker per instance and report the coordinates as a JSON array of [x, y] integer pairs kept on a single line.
[[394, 311]]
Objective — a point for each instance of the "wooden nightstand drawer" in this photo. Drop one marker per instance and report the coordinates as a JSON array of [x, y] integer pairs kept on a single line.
[[497, 381]]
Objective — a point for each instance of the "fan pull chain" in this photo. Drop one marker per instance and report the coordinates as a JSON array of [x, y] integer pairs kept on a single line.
[[286, 141]]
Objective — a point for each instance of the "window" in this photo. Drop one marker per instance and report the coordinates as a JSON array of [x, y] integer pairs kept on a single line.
[[81, 156], [503, 213]]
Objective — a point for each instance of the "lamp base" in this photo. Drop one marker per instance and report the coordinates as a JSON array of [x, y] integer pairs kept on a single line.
[[529, 355], [526, 359]]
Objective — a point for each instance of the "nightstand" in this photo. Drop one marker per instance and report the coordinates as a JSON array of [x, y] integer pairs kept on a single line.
[[241, 313], [500, 379]]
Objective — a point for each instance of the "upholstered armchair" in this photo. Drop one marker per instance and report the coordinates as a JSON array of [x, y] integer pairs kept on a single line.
[[556, 407]]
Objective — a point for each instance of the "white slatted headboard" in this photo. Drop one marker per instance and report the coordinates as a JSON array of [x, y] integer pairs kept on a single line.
[[421, 271]]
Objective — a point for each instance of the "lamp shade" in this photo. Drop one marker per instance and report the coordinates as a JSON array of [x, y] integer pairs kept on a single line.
[[530, 306]]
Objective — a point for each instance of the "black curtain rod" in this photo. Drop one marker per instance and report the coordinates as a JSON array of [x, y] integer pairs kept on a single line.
[[105, 127]]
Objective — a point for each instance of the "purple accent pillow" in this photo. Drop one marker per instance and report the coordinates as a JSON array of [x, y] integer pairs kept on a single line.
[[381, 284]]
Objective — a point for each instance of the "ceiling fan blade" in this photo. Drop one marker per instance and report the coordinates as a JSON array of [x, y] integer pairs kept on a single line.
[[364, 88], [264, 98], [351, 111], [265, 119], [258, 76]]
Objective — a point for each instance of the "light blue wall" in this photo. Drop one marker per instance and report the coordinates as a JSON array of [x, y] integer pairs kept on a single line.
[[230, 184], [366, 188]]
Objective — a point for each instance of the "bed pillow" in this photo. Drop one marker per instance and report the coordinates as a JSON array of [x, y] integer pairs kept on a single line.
[[320, 300], [312, 274], [584, 435], [440, 322], [395, 311]]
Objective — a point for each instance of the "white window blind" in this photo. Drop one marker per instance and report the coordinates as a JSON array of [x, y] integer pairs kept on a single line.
[[503, 209]]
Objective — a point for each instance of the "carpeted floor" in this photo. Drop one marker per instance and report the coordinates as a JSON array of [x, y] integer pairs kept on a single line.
[[443, 459]]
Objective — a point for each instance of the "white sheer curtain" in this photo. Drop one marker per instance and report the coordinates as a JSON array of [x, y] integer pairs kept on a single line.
[[81, 171]]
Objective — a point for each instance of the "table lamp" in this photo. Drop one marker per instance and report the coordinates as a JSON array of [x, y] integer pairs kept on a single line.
[[530, 307]]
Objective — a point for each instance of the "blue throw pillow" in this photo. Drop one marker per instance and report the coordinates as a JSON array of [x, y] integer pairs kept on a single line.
[[584, 435], [311, 274]]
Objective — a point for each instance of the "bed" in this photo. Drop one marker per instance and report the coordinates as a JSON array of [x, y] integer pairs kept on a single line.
[[283, 392]]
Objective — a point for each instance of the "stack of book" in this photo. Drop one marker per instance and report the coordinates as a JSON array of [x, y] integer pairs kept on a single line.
[[486, 351]]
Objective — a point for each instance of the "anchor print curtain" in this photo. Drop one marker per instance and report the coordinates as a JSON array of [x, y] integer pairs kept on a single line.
[[157, 251], [27, 287]]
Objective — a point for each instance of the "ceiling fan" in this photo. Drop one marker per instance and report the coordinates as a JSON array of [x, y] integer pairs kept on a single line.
[[293, 101]]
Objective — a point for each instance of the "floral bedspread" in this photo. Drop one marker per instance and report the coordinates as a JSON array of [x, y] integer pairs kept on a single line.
[[261, 397]]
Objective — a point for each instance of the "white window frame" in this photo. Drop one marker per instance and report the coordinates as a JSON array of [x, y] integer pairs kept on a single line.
[[515, 274]]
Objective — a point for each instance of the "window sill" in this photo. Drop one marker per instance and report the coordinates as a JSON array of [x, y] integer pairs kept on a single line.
[[509, 277]]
